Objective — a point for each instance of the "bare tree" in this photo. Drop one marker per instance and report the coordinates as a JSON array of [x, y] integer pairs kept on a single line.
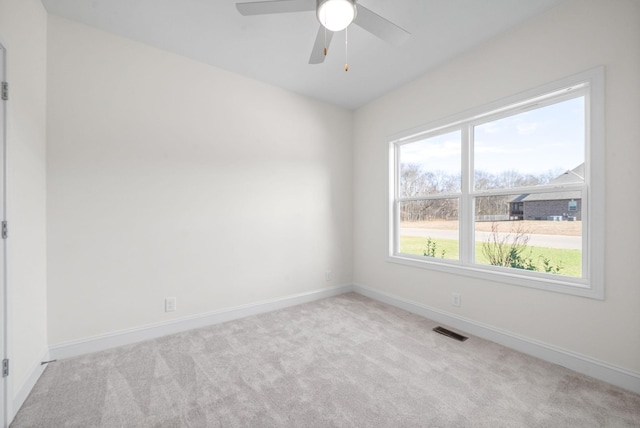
[[415, 182]]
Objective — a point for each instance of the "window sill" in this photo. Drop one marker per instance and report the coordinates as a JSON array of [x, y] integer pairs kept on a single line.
[[538, 280]]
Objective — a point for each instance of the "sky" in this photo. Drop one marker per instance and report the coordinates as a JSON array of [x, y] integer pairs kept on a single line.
[[531, 142]]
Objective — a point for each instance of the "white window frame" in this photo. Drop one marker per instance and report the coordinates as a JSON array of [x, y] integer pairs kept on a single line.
[[590, 84]]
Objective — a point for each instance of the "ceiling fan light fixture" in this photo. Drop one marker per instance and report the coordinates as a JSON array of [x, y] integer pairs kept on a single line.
[[336, 15]]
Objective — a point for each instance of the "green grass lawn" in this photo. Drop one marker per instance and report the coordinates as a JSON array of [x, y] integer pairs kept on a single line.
[[569, 260]]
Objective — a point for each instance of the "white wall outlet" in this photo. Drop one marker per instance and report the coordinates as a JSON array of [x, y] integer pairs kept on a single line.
[[170, 304], [456, 299], [328, 276]]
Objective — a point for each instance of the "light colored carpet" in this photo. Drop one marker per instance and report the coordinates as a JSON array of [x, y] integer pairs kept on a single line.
[[346, 361]]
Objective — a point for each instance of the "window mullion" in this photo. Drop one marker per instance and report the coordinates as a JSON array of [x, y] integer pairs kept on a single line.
[[394, 214], [586, 236], [466, 202]]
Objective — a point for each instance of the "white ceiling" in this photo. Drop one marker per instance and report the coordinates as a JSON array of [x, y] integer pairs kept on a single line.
[[276, 48]]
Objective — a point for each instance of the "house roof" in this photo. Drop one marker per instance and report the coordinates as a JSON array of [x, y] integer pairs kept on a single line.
[[573, 176], [519, 198], [553, 196]]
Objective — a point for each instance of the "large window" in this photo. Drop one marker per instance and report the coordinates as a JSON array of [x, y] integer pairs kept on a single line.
[[512, 192]]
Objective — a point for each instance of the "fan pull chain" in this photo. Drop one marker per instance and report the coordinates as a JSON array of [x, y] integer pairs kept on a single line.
[[325, 41], [346, 49]]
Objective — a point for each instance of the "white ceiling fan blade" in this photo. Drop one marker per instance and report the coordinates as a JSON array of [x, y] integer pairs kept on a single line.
[[275, 6], [380, 27], [317, 53]]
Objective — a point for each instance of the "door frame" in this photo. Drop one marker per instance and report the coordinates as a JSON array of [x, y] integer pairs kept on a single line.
[[5, 382]]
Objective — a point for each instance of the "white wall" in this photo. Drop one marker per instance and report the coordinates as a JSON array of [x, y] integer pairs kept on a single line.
[[167, 177], [574, 37], [23, 29]]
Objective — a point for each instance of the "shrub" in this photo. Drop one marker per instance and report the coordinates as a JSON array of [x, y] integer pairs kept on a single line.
[[510, 250], [431, 248]]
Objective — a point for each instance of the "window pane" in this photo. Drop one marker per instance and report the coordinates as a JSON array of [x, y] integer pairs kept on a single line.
[[431, 166], [430, 228], [531, 148], [538, 232]]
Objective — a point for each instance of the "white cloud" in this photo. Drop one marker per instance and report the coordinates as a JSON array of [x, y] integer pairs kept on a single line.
[[527, 128], [482, 147], [490, 127], [442, 154]]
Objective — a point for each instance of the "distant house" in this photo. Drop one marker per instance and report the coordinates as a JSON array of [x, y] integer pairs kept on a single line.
[[551, 206]]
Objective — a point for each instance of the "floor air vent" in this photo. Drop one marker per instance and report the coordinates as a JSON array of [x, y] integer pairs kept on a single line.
[[451, 334]]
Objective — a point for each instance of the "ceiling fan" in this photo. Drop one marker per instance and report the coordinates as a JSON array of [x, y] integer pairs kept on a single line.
[[333, 15]]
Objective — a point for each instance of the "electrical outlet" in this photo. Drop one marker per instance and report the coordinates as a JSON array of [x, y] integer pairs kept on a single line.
[[170, 304], [328, 276], [456, 299]]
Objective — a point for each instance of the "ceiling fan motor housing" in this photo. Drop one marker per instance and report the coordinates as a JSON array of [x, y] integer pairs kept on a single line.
[[336, 15]]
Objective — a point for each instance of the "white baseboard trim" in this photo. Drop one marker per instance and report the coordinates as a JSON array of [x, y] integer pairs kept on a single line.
[[600, 370], [25, 389], [139, 334]]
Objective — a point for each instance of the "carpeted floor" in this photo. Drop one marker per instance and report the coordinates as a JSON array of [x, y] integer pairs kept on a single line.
[[346, 361]]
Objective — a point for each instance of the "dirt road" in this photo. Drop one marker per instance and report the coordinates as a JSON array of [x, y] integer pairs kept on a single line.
[[563, 228]]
